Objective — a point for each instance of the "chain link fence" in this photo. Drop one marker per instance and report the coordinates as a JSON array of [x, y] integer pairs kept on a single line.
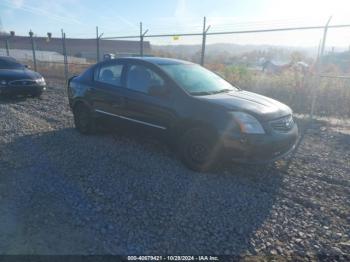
[[298, 81]]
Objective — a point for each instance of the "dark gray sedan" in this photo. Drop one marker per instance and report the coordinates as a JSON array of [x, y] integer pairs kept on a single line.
[[202, 113]]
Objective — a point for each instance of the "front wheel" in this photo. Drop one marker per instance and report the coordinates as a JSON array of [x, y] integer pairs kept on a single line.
[[198, 149], [37, 94], [83, 120]]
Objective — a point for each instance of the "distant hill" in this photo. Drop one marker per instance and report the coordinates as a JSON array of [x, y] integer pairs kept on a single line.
[[236, 49]]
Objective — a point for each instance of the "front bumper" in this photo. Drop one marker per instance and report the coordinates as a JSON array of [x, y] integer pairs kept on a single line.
[[259, 149], [22, 90]]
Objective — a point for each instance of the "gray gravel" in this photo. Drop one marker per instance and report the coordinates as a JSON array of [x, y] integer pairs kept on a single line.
[[64, 193]]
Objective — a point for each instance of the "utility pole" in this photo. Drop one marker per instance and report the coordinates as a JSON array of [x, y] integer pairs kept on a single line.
[[31, 35], [142, 35], [204, 36]]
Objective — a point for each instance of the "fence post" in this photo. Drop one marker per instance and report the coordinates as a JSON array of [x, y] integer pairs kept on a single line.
[[205, 30], [141, 40], [65, 61], [7, 47], [319, 67], [97, 46], [98, 37], [319, 61], [142, 35], [31, 35]]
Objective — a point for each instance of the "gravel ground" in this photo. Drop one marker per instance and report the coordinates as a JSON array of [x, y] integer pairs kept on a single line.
[[113, 193]]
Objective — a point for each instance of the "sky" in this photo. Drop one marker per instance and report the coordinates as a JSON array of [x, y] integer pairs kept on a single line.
[[79, 19]]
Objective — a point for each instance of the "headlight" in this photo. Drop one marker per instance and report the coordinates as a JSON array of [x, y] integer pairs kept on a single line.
[[248, 124], [3, 82], [40, 81]]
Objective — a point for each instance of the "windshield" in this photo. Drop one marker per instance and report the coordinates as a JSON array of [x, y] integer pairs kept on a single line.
[[10, 64], [197, 80]]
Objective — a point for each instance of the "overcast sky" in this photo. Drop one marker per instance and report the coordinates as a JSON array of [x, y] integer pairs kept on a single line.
[[115, 17]]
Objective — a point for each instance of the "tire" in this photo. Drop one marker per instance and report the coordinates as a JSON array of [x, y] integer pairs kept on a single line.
[[198, 149], [83, 120]]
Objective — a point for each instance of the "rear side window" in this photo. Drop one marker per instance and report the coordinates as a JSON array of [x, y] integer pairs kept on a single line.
[[109, 74]]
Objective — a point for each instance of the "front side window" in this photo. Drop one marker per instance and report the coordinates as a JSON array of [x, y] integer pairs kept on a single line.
[[110, 74], [141, 78]]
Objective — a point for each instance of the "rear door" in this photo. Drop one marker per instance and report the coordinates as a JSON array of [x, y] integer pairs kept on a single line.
[[107, 94]]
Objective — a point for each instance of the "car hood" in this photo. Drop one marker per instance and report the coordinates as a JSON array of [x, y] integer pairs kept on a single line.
[[264, 108], [17, 74]]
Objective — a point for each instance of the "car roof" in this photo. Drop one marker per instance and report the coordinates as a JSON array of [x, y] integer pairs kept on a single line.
[[156, 60]]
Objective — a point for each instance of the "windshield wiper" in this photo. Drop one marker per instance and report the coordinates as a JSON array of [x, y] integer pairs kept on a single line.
[[202, 93], [222, 91]]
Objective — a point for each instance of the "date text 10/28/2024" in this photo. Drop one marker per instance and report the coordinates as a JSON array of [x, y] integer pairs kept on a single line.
[[173, 258]]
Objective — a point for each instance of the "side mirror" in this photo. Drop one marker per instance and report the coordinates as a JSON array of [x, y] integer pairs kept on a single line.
[[156, 90]]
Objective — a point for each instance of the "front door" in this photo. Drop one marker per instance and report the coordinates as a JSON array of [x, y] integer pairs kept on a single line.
[[149, 110]]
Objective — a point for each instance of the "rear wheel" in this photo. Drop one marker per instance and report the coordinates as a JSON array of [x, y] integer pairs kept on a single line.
[[83, 120], [198, 149]]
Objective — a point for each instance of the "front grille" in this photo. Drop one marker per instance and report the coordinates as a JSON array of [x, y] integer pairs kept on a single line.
[[283, 124], [22, 82]]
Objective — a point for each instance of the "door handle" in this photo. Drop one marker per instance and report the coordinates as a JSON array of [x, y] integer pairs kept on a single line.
[[117, 105]]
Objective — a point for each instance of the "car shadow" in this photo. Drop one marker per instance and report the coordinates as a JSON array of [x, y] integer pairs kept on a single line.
[[6, 99], [122, 193]]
